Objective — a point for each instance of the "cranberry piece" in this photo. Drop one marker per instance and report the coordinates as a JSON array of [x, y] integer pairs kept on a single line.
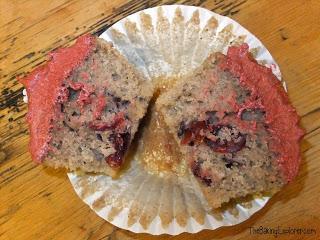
[[194, 132], [187, 138], [195, 168], [119, 121], [121, 144], [114, 160]]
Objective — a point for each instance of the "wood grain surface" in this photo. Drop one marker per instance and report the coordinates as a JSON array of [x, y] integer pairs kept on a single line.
[[39, 203]]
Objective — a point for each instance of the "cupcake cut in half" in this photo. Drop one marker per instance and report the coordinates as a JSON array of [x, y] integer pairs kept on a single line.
[[231, 118], [235, 126], [84, 107]]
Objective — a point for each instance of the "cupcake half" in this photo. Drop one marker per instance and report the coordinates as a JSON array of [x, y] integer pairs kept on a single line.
[[84, 107], [235, 126]]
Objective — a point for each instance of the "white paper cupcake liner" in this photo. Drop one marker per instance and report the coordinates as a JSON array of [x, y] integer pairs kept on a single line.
[[164, 42]]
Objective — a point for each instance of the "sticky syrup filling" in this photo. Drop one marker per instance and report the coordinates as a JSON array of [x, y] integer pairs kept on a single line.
[[158, 150]]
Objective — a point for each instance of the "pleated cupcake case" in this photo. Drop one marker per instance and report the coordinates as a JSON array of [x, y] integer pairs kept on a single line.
[[165, 42]]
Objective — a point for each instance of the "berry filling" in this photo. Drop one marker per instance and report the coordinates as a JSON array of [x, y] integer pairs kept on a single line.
[[121, 143], [219, 137]]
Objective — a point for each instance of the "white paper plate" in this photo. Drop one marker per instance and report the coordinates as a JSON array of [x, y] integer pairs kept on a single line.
[[167, 41]]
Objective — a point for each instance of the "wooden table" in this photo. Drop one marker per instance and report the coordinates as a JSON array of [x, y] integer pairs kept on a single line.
[[38, 203]]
